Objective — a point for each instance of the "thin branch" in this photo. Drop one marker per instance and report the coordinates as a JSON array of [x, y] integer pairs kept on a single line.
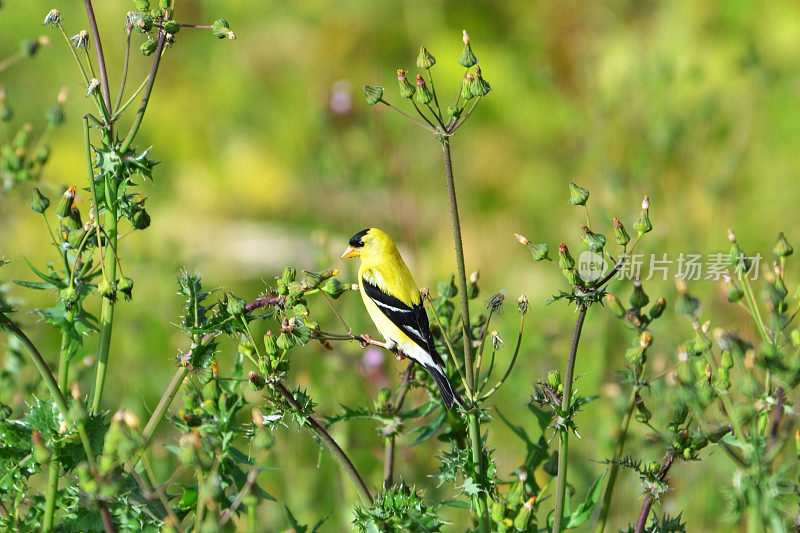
[[225, 515], [336, 450], [428, 126], [510, 365], [566, 407], [151, 78], [101, 62], [388, 455], [124, 69]]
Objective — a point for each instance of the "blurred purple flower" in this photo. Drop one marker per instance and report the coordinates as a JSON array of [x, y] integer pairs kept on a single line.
[[373, 358], [340, 103]]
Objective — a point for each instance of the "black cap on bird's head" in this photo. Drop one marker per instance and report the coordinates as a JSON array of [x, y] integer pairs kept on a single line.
[[356, 242]]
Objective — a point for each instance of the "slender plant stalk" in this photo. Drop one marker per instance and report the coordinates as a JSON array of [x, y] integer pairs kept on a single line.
[[388, 454], [563, 437], [50, 382], [648, 501], [476, 445], [612, 475], [52, 473], [332, 445], [151, 78], [128, 31], [101, 61]]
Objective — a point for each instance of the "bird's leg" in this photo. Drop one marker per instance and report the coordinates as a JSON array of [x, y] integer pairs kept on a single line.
[[366, 340]]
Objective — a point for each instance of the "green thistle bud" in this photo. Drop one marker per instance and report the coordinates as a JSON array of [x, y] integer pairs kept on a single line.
[[144, 23], [383, 398], [498, 511], [148, 47], [334, 288], [142, 5], [172, 27], [726, 359], [270, 346], [554, 379], [643, 225], [107, 289], [538, 251], [312, 279], [687, 305], [221, 30], [65, 203], [75, 237], [723, 378], [479, 87], [467, 58], [74, 222], [680, 414], [257, 381], [639, 298], [406, 89], [41, 454], [289, 275], [423, 96], [620, 234], [234, 305], [373, 94], [40, 202], [657, 309], [472, 286], [735, 293], [448, 289], [523, 518], [782, 247], [285, 341], [577, 195], [140, 219], [425, 59], [615, 305], [454, 111], [54, 115], [69, 296], [594, 241], [466, 87], [565, 260]]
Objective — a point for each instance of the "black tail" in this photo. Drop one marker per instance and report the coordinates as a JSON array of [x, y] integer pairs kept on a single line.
[[449, 395]]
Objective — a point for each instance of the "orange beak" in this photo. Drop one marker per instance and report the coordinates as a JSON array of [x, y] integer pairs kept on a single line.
[[351, 251]]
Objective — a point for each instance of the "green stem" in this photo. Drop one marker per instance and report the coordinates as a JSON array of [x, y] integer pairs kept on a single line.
[[101, 62], [52, 474], [481, 505], [332, 446], [389, 442], [566, 408], [50, 382], [151, 78], [612, 475]]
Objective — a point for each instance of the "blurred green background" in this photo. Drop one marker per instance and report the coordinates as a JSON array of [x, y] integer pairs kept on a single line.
[[269, 156]]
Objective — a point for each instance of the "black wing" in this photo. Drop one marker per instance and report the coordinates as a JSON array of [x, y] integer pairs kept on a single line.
[[413, 321]]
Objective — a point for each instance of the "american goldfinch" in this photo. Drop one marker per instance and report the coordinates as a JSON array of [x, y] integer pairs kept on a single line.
[[393, 302]]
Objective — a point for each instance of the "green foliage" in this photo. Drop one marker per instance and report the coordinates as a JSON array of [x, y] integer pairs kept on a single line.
[[399, 508]]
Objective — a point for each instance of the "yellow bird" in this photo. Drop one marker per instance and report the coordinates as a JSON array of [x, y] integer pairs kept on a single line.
[[393, 301]]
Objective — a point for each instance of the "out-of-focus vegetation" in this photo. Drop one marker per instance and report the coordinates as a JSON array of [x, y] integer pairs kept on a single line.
[[275, 159]]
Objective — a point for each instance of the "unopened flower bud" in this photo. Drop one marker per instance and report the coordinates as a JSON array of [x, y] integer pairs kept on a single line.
[[577, 195], [735, 293], [782, 247], [125, 286], [407, 90], [373, 94], [643, 225], [148, 47], [639, 298], [479, 87], [466, 87], [425, 59], [423, 95], [523, 518], [140, 219], [172, 27], [41, 454], [234, 305], [467, 58], [565, 260], [257, 381], [615, 305], [498, 511], [334, 288], [657, 309], [454, 111], [554, 379], [64, 206], [40, 202], [620, 234], [383, 398], [594, 241], [107, 289], [221, 30]]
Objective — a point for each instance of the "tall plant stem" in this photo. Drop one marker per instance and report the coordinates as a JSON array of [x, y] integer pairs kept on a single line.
[[388, 453], [52, 473], [332, 446], [648, 502], [151, 78], [50, 382], [109, 275], [612, 475], [563, 437], [101, 61], [473, 421]]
